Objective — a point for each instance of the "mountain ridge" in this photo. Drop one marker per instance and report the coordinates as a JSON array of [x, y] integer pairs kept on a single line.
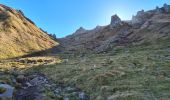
[[120, 32], [19, 35]]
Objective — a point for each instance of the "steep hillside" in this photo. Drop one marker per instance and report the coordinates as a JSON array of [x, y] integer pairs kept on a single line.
[[19, 35], [146, 26]]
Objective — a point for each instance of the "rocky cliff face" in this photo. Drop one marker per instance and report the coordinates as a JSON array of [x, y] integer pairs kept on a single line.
[[143, 16], [145, 26], [19, 35]]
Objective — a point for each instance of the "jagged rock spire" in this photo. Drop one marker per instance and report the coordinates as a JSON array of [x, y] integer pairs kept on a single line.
[[80, 29], [115, 20]]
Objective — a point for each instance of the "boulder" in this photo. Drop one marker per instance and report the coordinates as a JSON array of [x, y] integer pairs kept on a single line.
[[6, 92], [21, 78]]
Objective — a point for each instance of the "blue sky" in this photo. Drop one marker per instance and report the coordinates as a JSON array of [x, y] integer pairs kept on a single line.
[[63, 17]]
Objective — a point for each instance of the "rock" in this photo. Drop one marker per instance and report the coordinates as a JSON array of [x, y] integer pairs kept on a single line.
[[97, 29], [6, 91], [166, 8], [121, 95], [31, 93], [146, 24], [141, 17], [80, 31], [18, 85], [37, 84], [57, 90], [13, 79], [39, 80], [83, 96], [140, 13], [115, 21], [69, 89], [159, 10], [21, 78], [66, 98]]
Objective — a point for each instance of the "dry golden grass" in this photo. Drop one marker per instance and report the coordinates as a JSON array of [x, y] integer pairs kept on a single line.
[[18, 36]]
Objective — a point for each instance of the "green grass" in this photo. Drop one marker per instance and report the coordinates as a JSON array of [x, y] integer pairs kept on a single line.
[[135, 73]]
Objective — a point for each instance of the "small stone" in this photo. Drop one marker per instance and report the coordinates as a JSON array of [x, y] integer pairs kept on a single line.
[[18, 85], [83, 96], [37, 81], [66, 98], [21, 78]]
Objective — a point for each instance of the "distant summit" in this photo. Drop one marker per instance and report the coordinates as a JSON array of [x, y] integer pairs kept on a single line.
[[80, 30], [145, 26], [143, 16]]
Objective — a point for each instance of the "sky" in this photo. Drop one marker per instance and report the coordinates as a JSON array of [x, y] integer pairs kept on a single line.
[[64, 17]]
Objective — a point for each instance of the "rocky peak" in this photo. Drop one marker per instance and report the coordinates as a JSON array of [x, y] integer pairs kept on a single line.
[[141, 18], [80, 30], [159, 10], [166, 8], [115, 20], [140, 13], [98, 27]]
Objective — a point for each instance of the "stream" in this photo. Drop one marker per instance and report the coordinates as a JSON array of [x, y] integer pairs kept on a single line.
[[39, 87]]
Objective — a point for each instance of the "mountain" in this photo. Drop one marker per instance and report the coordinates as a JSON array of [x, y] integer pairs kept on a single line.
[[19, 35], [145, 27]]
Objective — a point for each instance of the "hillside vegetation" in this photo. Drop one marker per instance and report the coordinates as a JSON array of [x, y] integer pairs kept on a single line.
[[19, 35], [125, 60], [133, 73]]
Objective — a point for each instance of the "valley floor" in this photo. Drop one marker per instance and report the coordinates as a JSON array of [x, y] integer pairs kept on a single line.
[[132, 73]]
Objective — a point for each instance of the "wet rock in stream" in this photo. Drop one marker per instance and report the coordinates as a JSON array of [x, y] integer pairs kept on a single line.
[[6, 91], [35, 86]]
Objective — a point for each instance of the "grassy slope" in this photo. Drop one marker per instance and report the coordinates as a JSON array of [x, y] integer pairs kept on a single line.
[[18, 36], [135, 73]]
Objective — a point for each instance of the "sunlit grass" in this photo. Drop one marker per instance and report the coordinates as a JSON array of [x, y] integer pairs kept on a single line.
[[135, 73]]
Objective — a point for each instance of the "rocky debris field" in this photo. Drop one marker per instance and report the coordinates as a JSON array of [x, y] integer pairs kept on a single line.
[[36, 86], [18, 84]]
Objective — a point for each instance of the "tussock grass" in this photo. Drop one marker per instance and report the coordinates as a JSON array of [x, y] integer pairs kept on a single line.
[[135, 73]]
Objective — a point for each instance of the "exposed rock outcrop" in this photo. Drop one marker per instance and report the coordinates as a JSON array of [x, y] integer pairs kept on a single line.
[[115, 21], [141, 18], [80, 31], [145, 26], [159, 10], [166, 8]]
